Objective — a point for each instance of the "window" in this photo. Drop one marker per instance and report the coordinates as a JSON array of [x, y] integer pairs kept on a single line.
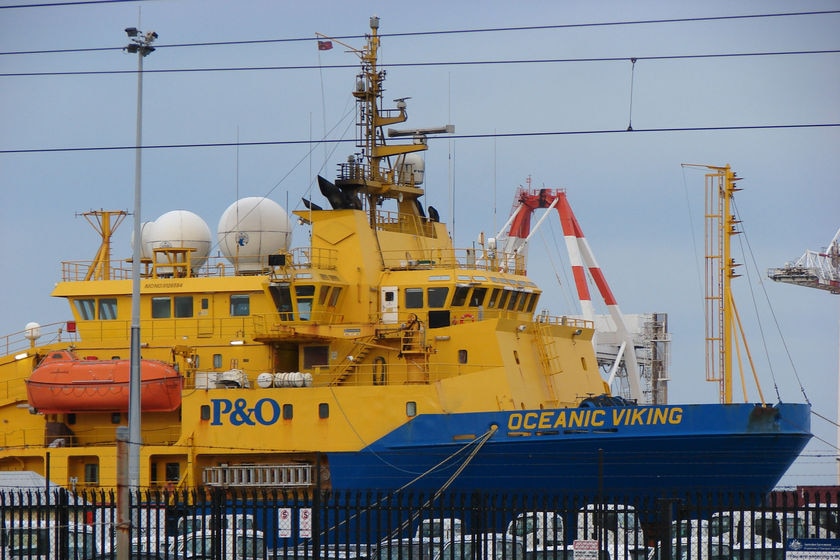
[[240, 305], [183, 306], [334, 296], [503, 299], [323, 410], [205, 304], [414, 298], [462, 356], [460, 296], [85, 307], [161, 308], [437, 296], [304, 296], [217, 361], [322, 295], [494, 295], [532, 303], [477, 297], [173, 472], [91, 473], [288, 412], [282, 301], [315, 356], [108, 309]]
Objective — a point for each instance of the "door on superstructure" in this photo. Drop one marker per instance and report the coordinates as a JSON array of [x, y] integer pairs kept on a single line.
[[205, 315], [389, 305]]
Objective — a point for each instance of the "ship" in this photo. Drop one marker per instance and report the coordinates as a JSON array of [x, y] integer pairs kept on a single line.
[[376, 356]]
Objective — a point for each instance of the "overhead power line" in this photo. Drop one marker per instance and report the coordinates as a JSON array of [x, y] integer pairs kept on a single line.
[[417, 33], [423, 64], [448, 137]]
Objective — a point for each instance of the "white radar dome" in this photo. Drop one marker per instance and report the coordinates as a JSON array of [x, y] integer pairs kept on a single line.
[[251, 229], [32, 331], [411, 166], [178, 229]]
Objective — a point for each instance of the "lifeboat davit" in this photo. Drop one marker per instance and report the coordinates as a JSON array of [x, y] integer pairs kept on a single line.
[[62, 383]]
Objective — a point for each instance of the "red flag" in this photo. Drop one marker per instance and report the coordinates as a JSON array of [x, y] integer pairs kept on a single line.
[[324, 45]]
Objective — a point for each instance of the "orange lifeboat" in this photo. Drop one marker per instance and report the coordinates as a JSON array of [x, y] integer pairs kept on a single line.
[[62, 383]]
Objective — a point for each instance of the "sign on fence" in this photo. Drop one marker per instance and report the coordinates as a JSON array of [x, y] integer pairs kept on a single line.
[[305, 523], [284, 522], [812, 549], [585, 550]]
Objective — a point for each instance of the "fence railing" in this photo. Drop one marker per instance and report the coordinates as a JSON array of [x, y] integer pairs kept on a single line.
[[274, 524]]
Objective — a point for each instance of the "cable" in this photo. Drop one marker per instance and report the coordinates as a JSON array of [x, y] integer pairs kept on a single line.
[[73, 3], [420, 64], [456, 136], [426, 33]]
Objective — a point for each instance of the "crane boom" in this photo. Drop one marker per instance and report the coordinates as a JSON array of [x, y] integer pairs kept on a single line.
[[813, 269]]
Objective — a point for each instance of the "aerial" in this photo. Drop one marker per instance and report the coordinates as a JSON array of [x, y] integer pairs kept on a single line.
[[607, 100]]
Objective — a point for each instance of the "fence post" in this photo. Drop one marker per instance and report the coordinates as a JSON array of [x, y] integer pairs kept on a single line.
[[666, 519]]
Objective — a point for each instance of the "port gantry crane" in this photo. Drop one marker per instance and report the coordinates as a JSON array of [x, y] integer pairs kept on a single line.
[[816, 270], [813, 269]]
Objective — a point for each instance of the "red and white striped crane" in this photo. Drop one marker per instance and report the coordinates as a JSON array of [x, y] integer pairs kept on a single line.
[[582, 261]]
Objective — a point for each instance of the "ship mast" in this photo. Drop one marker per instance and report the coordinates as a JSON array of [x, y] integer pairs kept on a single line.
[[724, 332], [372, 174]]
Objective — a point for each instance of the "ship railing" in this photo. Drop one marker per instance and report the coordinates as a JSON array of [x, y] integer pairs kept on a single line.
[[405, 223], [210, 267], [490, 262], [19, 342], [396, 373]]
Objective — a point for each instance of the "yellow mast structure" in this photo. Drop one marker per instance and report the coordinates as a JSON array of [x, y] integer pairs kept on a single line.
[[724, 331]]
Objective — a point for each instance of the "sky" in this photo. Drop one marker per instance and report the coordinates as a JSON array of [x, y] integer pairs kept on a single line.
[[539, 91]]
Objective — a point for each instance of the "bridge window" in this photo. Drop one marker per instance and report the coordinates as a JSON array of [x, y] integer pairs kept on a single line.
[[304, 301], [460, 296], [336, 291], [494, 295], [322, 295], [437, 296], [86, 308], [532, 303], [183, 306], [282, 297], [108, 308], [161, 307], [477, 297], [514, 298], [240, 305], [414, 298]]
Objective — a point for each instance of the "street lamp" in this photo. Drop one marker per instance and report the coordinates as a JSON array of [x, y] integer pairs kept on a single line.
[[140, 43]]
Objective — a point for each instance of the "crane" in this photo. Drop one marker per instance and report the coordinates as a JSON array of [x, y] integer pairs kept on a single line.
[[813, 269]]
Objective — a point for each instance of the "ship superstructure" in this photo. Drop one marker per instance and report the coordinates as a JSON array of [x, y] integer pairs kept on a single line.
[[378, 356]]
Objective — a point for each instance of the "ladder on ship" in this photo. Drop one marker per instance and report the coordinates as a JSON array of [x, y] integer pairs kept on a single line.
[[549, 355], [298, 475], [361, 348]]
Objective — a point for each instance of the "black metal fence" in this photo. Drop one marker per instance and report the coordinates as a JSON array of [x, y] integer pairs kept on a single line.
[[264, 525]]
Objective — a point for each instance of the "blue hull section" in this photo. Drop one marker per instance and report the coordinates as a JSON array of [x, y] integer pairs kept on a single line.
[[642, 451]]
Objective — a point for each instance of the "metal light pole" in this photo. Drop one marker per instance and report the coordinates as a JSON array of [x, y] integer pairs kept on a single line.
[[140, 43]]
